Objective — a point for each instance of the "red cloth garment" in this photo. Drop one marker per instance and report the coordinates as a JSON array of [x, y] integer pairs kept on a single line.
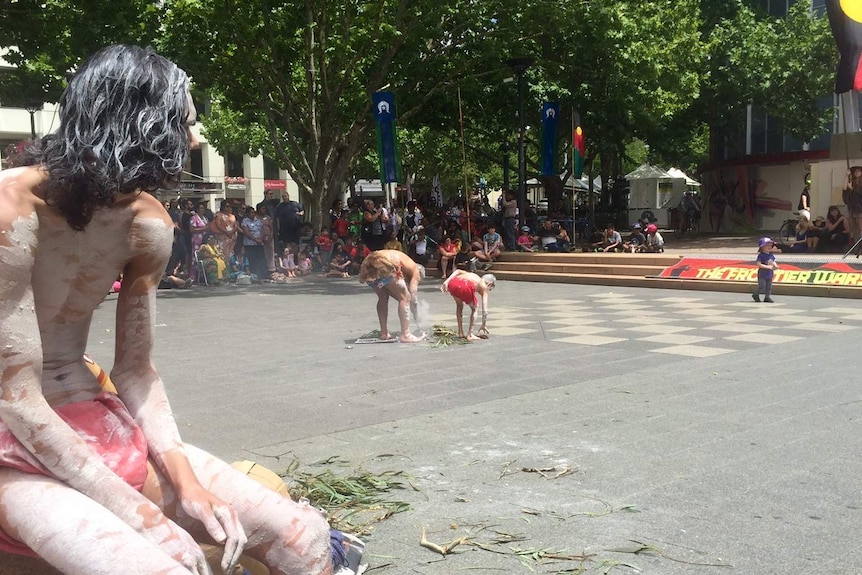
[[106, 426], [463, 290]]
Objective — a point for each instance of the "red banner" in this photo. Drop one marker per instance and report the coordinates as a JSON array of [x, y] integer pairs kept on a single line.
[[275, 184], [789, 272]]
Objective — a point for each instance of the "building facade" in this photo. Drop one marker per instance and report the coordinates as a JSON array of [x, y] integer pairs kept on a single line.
[[755, 182], [208, 177]]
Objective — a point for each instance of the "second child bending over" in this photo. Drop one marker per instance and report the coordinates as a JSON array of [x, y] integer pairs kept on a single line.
[[469, 288]]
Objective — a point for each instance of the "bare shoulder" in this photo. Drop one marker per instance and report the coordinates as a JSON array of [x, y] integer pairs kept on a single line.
[[152, 230], [19, 197]]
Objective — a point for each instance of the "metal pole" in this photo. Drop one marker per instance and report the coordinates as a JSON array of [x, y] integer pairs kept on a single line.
[[522, 158], [505, 149]]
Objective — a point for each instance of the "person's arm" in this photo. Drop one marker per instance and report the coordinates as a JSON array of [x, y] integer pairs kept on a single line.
[[141, 390], [483, 292]]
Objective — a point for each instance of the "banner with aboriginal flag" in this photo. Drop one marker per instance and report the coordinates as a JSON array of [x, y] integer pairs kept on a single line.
[[745, 270], [387, 136], [845, 19], [578, 146]]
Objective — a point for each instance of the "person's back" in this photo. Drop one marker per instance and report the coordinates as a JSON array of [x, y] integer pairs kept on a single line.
[[73, 270]]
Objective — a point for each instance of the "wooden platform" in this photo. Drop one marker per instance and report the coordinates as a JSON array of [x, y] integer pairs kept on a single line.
[[633, 270]]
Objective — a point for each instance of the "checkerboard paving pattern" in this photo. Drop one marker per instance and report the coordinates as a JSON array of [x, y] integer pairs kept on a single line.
[[685, 326]]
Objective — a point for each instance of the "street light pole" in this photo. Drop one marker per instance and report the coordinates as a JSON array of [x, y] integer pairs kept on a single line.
[[32, 109], [519, 66], [504, 147]]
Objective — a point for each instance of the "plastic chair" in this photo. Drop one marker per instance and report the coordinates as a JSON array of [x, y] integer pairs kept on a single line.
[[201, 272]]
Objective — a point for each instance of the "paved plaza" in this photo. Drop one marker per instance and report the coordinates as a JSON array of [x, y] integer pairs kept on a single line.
[[713, 434]]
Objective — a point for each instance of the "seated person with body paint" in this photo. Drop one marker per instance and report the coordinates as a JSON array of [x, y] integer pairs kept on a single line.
[[90, 481]]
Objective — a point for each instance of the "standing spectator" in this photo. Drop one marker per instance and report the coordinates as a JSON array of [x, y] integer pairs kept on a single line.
[[252, 229], [269, 201], [354, 220], [198, 225], [510, 221], [288, 216], [373, 226], [804, 205], [852, 197], [413, 218], [335, 211], [340, 225], [267, 236], [224, 226], [766, 266], [185, 235], [418, 250], [324, 248]]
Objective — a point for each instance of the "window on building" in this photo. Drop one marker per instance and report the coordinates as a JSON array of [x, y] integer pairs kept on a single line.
[[271, 170], [758, 131], [195, 165], [234, 165]]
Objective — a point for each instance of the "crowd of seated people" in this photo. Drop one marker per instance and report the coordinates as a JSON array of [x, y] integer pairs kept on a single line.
[[239, 243], [823, 235]]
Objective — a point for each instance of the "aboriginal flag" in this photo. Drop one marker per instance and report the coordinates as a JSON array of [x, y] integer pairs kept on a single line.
[[578, 148], [845, 18]]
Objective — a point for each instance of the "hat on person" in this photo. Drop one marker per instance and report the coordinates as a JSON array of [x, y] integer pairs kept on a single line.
[[636, 226], [525, 229], [652, 228], [764, 240]]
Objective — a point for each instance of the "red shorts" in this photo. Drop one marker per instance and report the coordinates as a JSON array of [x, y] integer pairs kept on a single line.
[[106, 426], [463, 290]]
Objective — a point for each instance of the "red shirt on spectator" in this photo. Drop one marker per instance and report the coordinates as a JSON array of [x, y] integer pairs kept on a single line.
[[341, 226], [324, 242], [354, 252]]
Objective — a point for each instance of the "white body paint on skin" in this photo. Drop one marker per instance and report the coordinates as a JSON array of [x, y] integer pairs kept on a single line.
[[64, 275]]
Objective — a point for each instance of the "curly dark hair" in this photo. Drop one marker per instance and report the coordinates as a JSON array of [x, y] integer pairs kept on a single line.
[[123, 129]]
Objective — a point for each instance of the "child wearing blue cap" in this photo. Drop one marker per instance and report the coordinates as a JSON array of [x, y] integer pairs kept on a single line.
[[766, 266]]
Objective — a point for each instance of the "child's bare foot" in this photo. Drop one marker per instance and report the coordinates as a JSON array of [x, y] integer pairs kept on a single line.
[[473, 337], [386, 336], [410, 338]]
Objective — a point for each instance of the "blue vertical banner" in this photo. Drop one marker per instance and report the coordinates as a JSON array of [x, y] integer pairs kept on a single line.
[[387, 136], [550, 121]]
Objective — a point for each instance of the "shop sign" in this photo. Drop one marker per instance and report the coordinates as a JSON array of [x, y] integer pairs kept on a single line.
[[275, 184]]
